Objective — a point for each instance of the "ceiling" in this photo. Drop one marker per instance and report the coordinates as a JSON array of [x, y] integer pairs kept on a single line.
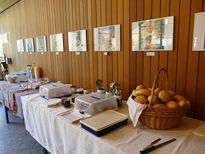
[[5, 4]]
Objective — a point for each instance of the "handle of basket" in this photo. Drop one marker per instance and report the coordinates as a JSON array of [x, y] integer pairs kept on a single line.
[[155, 79]]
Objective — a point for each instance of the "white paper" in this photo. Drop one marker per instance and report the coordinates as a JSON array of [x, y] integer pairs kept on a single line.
[[72, 116]]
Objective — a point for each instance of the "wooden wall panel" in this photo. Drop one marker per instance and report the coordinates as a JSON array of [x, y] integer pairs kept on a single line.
[[199, 106], [32, 18], [155, 60], [163, 54], [140, 55], [193, 58], [147, 60], [133, 18], [115, 54]]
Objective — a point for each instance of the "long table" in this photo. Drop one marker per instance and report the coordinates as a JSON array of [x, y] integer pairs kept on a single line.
[[10, 94], [59, 136]]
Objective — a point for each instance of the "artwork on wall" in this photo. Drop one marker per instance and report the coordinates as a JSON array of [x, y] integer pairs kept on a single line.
[[20, 46], [199, 32], [41, 44], [107, 38], [153, 34], [77, 40], [29, 45], [56, 42], [1, 50], [3, 38]]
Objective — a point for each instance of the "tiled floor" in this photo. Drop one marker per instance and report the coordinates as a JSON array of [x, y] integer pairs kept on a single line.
[[14, 139]]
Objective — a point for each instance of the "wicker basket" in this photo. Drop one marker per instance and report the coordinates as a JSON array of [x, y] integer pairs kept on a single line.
[[162, 118]]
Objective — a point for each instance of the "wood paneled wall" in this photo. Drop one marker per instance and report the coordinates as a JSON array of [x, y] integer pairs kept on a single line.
[[32, 18]]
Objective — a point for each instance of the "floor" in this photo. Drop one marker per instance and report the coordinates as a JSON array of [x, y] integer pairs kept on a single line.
[[14, 139]]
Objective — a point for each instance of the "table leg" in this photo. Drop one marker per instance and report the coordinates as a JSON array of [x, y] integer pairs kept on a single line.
[[44, 151], [6, 113]]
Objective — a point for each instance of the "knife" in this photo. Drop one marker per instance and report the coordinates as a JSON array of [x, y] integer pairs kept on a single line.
[[153, 147]]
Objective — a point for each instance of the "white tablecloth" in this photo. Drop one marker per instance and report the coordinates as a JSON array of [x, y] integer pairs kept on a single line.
[[61, 137]]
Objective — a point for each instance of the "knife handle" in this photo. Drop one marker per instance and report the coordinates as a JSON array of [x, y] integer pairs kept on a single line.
[[147, 150]]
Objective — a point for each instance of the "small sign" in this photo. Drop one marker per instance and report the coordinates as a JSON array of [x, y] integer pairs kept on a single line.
[[57, 53], [105, 53], [77, 53], [42, 53], [150, 53]]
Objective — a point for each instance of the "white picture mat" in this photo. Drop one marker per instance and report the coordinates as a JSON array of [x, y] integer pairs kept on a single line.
[[29, 45], [20, 45], [115, 42], [72, 41], [167, 41], [56, 45], [199, 32], [3, 38], [43, 39]]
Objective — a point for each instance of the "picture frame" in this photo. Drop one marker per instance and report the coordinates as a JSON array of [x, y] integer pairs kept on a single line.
[[153, 35], [199, 32], [107, 38], [41, 45], [29, 45], [20, 45], [77, 40], [56, 42], [3, 38]]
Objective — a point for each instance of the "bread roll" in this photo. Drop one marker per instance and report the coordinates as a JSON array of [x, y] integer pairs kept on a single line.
[[145, 92], [164, 96], [156, 91], [182, 103], [159, 106], [141, 87], [172, 104], [141, 99], [172, 93], [180, 98], [134, 93], [155, 99]]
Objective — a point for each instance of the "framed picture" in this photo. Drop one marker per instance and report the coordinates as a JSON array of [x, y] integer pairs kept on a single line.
[[199, 32], [107, 38], [153, 35], [77, 40], [20, 46], [1, 50], [3, 38], [29, 45], [56, 42], [41, 44]]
